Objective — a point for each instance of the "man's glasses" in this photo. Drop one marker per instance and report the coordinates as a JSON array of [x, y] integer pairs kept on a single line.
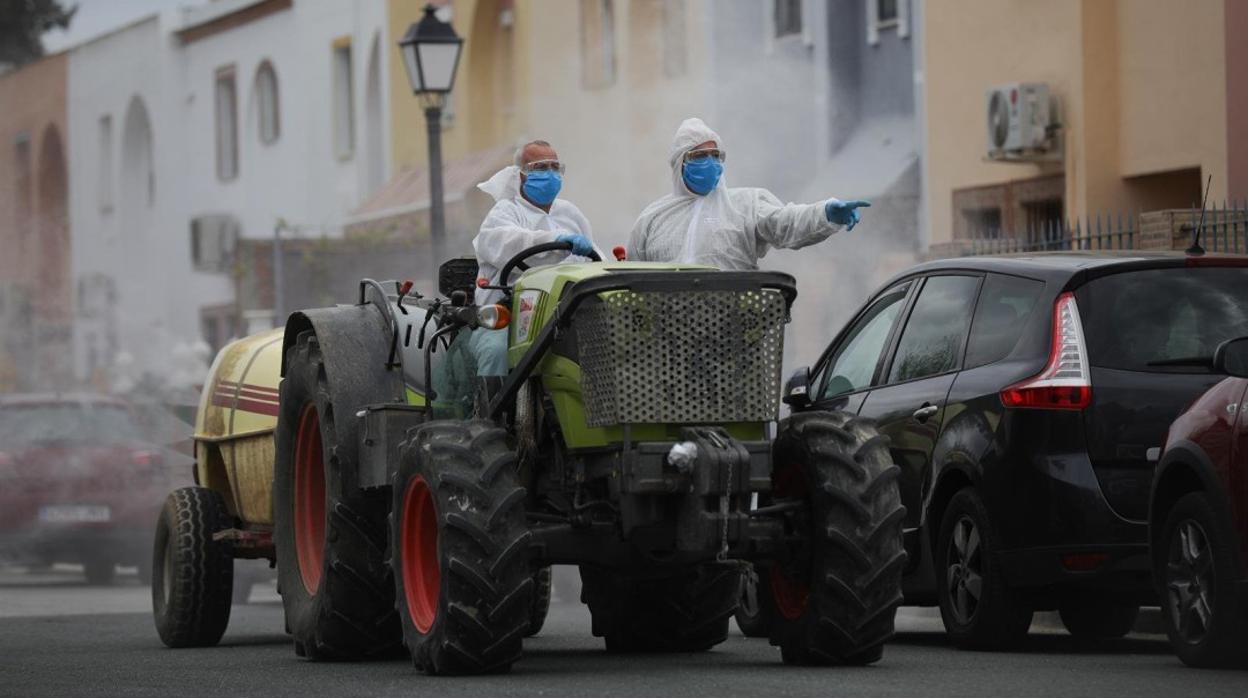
[[543, 166], [705, 154]]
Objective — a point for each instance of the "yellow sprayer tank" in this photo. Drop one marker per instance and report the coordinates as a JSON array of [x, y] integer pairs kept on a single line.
[[235, 423]]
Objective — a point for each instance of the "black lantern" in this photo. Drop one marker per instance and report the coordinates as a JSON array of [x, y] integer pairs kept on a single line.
[[431, 55]]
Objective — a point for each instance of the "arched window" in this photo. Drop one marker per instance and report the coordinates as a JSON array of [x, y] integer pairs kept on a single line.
[[267, 103]]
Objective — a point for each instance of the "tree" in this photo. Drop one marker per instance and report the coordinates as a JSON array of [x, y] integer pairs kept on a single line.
[[22, 24]]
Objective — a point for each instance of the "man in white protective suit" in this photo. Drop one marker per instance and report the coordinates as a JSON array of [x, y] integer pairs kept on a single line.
[[526, 213], [703, 221]]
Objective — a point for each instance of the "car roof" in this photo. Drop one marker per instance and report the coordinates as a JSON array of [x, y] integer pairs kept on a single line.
[[1066, 264], [31, 399]]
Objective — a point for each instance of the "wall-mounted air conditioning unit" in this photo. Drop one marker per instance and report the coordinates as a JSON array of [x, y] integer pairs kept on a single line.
[[1022, 122], [212, 242]]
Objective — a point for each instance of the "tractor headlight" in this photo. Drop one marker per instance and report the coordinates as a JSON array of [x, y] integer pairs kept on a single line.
[[493, 317]]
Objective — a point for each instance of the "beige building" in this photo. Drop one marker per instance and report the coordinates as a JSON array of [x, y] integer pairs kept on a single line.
[[1148, 95], [606, 82]]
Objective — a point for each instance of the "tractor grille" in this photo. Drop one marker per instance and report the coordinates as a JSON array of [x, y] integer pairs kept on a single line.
[[690, 357]]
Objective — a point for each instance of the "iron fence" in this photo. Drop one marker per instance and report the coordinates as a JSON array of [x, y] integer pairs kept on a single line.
[[1225, 229]]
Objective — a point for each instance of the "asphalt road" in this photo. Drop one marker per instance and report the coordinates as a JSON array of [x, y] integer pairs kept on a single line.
[[59, 637]]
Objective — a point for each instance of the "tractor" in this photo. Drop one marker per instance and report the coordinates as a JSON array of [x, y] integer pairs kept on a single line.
[[635, 436]]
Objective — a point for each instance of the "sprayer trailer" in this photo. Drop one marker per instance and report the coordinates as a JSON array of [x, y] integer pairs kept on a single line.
[[415, 503]]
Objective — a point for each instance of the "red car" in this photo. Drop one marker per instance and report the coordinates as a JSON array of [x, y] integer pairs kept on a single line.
[[77, 483], [1198, 521]]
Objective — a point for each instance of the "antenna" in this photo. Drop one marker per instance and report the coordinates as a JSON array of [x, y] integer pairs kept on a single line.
[[1196, 250]]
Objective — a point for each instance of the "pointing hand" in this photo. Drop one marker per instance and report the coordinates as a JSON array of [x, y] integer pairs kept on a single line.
[[844, 213]]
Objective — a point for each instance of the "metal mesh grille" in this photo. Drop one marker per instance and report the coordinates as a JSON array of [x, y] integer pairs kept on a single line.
[[694, 357]]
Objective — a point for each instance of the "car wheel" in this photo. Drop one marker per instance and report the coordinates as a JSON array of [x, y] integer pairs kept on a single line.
[[1194, 567], [978, 609], [1096, 617]]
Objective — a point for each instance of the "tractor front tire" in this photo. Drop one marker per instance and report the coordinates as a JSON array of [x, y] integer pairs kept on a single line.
[[836, 601], [336, 587], [686, 611], [192, 574], [460, 549]]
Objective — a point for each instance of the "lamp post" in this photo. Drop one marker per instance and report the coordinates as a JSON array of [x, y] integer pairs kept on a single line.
[[431, 54]]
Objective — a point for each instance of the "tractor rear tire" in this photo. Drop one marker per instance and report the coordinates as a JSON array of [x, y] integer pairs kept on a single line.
[[687, 611], [336, 587], [541, 600], [460, 549], [192, 574], [836, 603]]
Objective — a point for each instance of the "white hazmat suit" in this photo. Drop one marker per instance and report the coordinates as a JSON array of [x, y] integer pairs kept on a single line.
[[727, 228], [512, 225], [515, 224]]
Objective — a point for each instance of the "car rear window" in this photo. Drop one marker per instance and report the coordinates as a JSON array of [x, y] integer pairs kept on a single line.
[[48, 424], [1163, 320], [1005, 305]]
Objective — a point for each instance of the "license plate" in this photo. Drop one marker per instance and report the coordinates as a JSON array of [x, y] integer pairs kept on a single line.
[[74, 513]]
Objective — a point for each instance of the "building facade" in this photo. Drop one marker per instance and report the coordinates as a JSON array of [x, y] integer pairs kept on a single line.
[[195, 131], [35, 303], [1148, 95]]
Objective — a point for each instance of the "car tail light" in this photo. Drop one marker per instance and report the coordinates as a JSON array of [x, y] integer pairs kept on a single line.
[[8, 469], [145, 458], [1065, 383]]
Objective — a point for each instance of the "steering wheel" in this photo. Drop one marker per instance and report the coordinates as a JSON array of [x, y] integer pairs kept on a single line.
[[519, 261]]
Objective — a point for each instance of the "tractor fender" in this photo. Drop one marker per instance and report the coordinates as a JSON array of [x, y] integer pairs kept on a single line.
[[355, 344]]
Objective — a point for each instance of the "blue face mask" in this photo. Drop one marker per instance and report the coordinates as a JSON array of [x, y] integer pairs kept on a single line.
[[702, 175], [542, 187]]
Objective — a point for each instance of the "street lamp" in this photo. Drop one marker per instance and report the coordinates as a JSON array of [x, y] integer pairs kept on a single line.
[[431, 54]]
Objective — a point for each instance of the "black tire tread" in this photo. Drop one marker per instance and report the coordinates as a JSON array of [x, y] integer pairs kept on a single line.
[[352, 615], [198, 608], [856, 540], [487, 587]]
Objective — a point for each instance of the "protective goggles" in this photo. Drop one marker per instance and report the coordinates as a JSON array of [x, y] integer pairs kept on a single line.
[[543, 166], [705, 154]]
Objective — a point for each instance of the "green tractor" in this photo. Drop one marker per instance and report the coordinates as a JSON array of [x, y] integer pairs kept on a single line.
[[416, 503]]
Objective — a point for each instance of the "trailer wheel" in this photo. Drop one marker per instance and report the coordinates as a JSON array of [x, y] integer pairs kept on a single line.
[[192, 574], [463, 583], [685, 611], [331, 541], [837, 599], [541, 600]]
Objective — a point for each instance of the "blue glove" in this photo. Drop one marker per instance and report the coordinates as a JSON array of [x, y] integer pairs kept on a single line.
[[843, 213], [581, 245]]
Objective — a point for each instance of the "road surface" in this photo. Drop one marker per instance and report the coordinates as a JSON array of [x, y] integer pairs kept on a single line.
[[60, 637]]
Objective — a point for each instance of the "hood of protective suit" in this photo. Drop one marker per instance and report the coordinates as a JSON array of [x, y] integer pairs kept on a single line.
[[690, 134], [505, 183]]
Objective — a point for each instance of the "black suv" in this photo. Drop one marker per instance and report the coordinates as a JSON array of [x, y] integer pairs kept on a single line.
[[1025, 399]]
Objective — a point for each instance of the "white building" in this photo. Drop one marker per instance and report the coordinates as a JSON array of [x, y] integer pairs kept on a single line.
[[195, 126]]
